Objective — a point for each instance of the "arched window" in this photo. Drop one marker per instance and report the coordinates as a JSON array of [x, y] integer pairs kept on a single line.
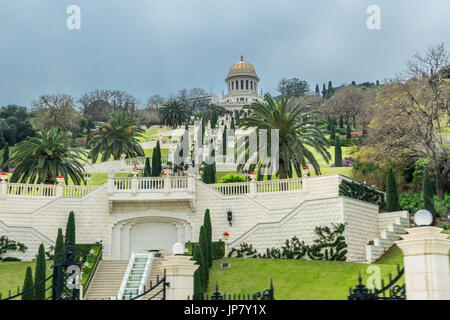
[[242, 84], [237, 85], [251, 85], [232, 85], [246, 85]]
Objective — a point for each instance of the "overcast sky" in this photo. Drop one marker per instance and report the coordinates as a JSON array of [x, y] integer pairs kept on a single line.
[[151, 47]]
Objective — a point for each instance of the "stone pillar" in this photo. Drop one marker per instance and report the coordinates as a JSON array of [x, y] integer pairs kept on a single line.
[[425, 251], [180, 276], [110, 185], [59, 190], [253, 188], [167, 184], [134, 184]]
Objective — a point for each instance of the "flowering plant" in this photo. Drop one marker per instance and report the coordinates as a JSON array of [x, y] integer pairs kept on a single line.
[[226, 233]]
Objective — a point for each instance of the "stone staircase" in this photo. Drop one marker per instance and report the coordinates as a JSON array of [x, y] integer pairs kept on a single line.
[[107, 280], [376, 248]]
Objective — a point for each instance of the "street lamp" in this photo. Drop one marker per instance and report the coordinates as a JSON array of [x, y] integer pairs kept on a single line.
[[423, 218], [135, 172]]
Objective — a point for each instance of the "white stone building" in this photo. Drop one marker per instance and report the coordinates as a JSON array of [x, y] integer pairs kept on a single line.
[[242, 87]]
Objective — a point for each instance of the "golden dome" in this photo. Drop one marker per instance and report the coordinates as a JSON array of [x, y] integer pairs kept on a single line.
[[242, 67]]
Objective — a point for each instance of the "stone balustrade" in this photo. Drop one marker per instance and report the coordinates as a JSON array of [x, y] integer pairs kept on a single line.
[[43, 190], [254, 187]]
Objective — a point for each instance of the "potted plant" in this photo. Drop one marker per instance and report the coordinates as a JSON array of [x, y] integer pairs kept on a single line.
[[226, 235]]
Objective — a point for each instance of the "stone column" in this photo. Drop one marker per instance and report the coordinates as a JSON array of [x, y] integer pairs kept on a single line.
[[253, 188], [180, 276], [425, 251]]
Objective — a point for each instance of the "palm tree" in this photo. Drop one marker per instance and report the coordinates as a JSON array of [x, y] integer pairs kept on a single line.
[[119, 135], [296, 133], [173, 113], [42, 158]]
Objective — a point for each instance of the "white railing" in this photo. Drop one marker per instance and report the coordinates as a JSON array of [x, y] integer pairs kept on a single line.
[[43, 190], [148, 267], [279, 185], [232, 188], [33, 190], [77, 191], [122, 183], [179, 183], [258, 186], [151, 184], [126, 277]]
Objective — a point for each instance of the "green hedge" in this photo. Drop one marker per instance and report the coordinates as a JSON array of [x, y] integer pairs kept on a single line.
[[218, 248], [361, 192]]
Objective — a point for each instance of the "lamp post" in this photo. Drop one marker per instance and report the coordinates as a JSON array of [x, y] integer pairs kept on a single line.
[[3, 176], [135, 172]]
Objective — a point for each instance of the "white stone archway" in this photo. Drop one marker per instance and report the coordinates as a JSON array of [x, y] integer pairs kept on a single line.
[[143, 234]]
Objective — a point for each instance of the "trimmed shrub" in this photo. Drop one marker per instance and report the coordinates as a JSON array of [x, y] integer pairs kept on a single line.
[[232, 177], [204, 262], [361, 192], [411, 202], [147, 169], [156, 161], [59, 248], [198, 274], [218, 249], [208, 230], [337, 153], [27, 285], [70, 231], [392, 203], [39, 274]]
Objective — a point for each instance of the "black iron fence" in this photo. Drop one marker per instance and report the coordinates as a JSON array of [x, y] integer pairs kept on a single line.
[[63, 284], [267, 294], [156, 291], [391, 291]]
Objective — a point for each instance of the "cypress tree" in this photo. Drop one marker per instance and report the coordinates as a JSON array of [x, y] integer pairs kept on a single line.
[[205, 173], [5, 167], [147, 169], [324, 91], [332, 133], [233, 127], [70, 231], [341, 122], [330, 89], [198, 274], [208, 229], [39, 275], [348, 135], [27, 285], [317, 89], [392, 203], [156, 161], [204, 248], [212, 173], [428, 195], [59, 248], [337, 152], [224, 141]]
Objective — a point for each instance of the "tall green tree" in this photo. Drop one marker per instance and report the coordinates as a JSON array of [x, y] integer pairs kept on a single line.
[[317, 89], [392, 203], [147, 168], [59, 248], [324, 91], [173, 113], [332, 133], [70, 231], [293, 87], [156, 161], [428, 195], [27, 285], [208, 230], [224, 141], [337, 152], [119, 135], [40, 275], [232, 126], [5, 167], [199, 274], [330, 90], [298, 134], [341, 122], [203, 241], [40, 159]]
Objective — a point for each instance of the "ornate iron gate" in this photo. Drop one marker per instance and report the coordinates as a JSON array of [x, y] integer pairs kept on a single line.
[[156, 291], [391, 291], [64, 282]]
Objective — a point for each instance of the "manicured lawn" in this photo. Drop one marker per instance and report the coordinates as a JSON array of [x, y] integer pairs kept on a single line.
[[12, 275], [292, 279]]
